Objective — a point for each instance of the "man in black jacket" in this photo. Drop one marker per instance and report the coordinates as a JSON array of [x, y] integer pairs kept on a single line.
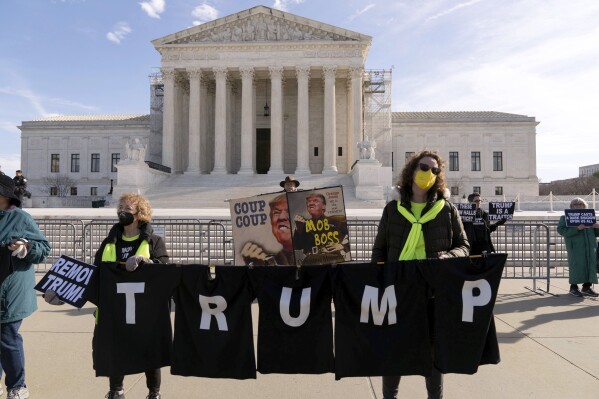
[[479, 231]]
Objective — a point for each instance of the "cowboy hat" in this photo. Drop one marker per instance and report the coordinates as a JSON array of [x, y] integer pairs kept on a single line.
[[289, 179], [7, 189]]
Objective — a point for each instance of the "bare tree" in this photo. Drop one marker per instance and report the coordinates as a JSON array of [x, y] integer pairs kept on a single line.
[[61, 183], [578, 185]]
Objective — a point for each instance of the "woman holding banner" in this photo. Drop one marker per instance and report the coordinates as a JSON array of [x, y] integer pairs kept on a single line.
[[21, 246], [130, 243], [421, 225], [581, 244]]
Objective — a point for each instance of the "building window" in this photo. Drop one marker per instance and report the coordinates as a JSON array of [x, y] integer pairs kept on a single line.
[[55, 163], [75, 163], [499, 190], [73, 190], [455, 190], [476, 189], [497, 161], [54, 191], [95, 163], [409, 156], [315, 151], [475, 160], [93, 191], [454, 161], [116, 157], [339, 151]]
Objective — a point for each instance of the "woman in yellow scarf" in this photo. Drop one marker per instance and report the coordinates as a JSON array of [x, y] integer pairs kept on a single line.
[[421, 225]]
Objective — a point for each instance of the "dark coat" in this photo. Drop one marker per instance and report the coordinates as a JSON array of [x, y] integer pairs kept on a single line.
[[158, 252], [442, 235], [479, 235]]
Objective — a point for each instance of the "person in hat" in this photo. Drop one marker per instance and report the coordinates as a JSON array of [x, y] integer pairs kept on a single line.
[[289, 185], [22, 245]]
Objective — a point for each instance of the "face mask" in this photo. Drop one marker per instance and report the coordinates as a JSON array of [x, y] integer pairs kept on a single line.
[[125, 218], [425, 180]]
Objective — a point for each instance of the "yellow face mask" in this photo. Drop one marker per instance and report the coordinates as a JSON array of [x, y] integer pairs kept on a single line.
[[425, 180]]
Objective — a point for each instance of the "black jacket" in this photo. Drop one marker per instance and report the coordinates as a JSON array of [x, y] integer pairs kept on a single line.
[[442, 235], [158, 252], [479, 233]]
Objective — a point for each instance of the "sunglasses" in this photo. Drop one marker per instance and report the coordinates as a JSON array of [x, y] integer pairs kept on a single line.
[[424, 167]]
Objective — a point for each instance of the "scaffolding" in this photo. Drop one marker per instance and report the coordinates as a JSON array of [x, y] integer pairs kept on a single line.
[[377, 112], [156, 98]]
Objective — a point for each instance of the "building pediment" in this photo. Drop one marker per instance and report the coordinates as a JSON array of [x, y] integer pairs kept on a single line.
[[258, 25]]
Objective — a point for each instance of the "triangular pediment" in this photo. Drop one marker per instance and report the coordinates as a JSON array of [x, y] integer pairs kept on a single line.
[[261, 24]]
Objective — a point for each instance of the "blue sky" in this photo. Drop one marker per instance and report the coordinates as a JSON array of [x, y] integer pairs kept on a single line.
[[533, 57]]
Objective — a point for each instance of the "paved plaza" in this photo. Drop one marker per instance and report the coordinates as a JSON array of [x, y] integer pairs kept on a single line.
[[549, 348]]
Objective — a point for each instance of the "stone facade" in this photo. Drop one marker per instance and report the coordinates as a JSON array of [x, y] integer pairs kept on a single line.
[[208, 116], [496, 152], [303, 69], [72, 141]]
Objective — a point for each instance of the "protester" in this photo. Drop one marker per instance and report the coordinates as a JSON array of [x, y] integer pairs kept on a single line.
[[581, 244], [21, 185], [309, 233], [129, 244], [255, 255], [479, 231], [21, 246], [289, 185], [421, 225]]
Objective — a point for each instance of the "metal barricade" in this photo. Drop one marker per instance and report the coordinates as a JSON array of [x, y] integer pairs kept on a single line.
[[362, 234], [528, 246], [64, 237], [187, 240]]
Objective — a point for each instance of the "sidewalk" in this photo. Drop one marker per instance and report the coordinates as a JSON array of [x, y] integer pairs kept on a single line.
[[549, 348]]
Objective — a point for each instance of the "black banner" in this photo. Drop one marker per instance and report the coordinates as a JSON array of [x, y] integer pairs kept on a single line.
[[381, 325], [133, 331], [69, 278], [213, 324], [295, 329]]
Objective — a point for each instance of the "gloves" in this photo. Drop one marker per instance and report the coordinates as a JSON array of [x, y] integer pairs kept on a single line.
[[501, 222], [135, 261], [51, 298], [19, 248]]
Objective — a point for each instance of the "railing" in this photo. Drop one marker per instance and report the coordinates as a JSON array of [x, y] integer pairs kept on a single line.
[[535, 250]]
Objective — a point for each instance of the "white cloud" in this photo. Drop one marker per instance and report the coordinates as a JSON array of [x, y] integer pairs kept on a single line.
[[153, 8], [119, 32], [360, 12], [37, 101], [204, 13], [283, 5], [452, 9]]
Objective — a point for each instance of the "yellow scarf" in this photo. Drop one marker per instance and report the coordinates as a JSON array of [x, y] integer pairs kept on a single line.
[[109, 253], [416, 234]]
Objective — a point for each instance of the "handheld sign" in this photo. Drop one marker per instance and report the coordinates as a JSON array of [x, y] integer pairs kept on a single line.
[[319, 226], [501, 210], [68, 277], [576, 217], [467, 212]]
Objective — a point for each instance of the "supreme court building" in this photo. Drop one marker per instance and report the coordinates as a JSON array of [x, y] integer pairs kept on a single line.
[[264, 91]]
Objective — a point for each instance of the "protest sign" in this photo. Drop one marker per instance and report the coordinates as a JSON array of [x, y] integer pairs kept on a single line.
[[467, 212], [576, 217], [261, 230], [319, 226], [69, 278], [501, 210]]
